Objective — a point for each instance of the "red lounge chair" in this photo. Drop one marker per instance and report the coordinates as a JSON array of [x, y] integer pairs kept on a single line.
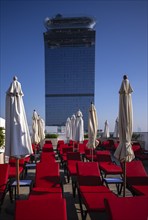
[[47, 148], [126, 208], [106, 165], [90, 189], [63, 153], [72, 159], [47, 179], [47, 157], [135, 174], [45, 193], [12, 168], [4, 181], [90, 154], [53, 209], [141, 190]]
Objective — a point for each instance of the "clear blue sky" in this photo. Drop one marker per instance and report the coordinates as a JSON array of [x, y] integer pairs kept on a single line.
[[121, 47]]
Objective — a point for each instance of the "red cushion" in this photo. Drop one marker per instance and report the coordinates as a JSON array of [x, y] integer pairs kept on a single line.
[[43, 193], [125, 208], [12, 171], [89, 157], [44, 209], [72, 167], [136, 173], [93, 197], [4, 172], [140, 190], [110, 168]]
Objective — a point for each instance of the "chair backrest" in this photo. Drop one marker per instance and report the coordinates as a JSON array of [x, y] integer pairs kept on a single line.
[[47, 157], [104, 156], [12, 162], [135, 168], [88, 151], [88, 173], [47, 175], [73, 156], [66, 149], [136, 173], [47, 148], [4, 173], [127, 207]]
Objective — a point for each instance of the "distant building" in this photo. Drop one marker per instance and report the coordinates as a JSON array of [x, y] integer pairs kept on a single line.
[[69, 68]]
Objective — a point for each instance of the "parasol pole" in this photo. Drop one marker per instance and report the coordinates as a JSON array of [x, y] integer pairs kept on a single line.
[[92, 153], [124, 178], [17, 178]]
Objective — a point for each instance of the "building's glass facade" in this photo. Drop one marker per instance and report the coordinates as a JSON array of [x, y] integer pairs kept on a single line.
[[69, 72]]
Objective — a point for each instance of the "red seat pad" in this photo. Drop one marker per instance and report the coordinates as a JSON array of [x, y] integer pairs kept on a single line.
[[72, 167], [54, 209], [12, 171], [140, 189], [126, 208], [136, 173], [44, 193], [93, 197], [4, 172], [89, 157], [110, 168]]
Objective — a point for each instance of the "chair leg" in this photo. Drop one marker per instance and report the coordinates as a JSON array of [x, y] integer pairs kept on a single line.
[[83, 215], [74, 188]]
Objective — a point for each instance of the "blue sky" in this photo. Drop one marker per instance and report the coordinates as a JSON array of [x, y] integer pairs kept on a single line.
[[121, 47]]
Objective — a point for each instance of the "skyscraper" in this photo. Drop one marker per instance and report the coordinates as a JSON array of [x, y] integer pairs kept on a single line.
[[69, 68]]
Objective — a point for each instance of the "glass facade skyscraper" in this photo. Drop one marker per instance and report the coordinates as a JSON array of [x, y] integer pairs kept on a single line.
[[69, 68]]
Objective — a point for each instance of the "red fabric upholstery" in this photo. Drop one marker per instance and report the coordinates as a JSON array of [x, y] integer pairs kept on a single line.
[[72, 158], [104, 156], [48, 142], [90, 189], [47, 148], [140, 190], [125, 208], [47, 157], [90, 154], [93, 197], [82, 147], [110, 168], [12, 162], [88, 173], [136, 173], [47, 175], [54, 209], [43, 193], [12, 171], [106, 165], [4, 172]]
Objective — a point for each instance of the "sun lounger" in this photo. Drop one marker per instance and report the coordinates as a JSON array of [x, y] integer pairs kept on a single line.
[[53, 209], [4, 181], [91, 192], [126, 208]]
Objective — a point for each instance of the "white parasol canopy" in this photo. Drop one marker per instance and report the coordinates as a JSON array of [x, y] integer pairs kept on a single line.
[[124, 151], [35, 128], [79, 127], [116, 129], [106, 130], [17, 137], [92, 127], [41, 130], [68, 129], [73, 119], [18, 142]]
